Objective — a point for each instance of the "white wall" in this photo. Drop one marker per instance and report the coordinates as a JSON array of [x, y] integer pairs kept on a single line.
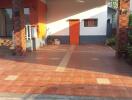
[[60, 11], [131, 5], [102, 19]]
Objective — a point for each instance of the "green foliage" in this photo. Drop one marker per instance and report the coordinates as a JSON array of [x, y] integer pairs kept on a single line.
[[130, 39], [129, 48], [111, 41], [114, 3], [130, 20], [129, 52], [130, 31]]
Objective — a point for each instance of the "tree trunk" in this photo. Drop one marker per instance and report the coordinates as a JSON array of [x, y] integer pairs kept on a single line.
[[123, 19], [19, 27]]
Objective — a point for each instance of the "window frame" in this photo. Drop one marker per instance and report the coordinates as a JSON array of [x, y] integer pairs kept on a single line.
[[87, 22]]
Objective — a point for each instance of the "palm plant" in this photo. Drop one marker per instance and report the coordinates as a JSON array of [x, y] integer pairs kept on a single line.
[[114, 4]]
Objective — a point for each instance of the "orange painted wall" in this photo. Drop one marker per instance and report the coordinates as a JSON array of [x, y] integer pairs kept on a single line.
[[8, 3], [38, 12], [42, 11]]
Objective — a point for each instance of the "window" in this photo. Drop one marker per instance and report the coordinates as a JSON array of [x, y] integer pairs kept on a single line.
[[6, 21], [90, 22], [26, 14]]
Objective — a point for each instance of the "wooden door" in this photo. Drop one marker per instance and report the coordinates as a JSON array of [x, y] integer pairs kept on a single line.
[[74, 29]]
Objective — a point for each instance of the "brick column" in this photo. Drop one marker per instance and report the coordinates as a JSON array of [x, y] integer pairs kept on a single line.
[[19, 27], [123, 19]]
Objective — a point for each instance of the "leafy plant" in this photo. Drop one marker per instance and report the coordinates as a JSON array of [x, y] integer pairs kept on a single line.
[[129, 52], [130, 20], [130, 39], [114, 3], [111, 41], [129, 48], [130, 24]]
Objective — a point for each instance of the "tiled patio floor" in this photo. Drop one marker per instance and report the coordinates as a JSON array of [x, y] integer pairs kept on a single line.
[[87, 70]]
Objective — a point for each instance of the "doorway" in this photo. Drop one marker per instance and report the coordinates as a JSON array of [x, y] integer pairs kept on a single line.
[[74, 30], [6, 24], [6, 21]]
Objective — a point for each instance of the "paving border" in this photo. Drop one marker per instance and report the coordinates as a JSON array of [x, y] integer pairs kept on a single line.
[[13, 96]]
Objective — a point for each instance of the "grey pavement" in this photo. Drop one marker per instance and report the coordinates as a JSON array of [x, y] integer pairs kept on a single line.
[[12, 96]]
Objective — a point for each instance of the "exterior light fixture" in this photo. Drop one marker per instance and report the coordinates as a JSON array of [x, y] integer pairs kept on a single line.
[[124, 11]]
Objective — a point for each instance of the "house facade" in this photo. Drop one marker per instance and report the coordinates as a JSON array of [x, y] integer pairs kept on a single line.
[[69, 21], [79, 21], [34, 16], [90, 17]]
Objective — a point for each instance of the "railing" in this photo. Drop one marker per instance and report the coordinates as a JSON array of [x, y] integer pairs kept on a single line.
[[31, 36], [31, 32]]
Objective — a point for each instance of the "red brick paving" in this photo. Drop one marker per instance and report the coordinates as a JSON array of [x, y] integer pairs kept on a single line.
[[37, 72]]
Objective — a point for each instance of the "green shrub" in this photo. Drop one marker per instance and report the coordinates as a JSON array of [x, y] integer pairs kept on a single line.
[[111, 41], [130, 39], [129, 52], [130, 24], [130, 20], [129, 48]]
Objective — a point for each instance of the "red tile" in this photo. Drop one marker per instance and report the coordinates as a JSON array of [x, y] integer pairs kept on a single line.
[[37, 74]]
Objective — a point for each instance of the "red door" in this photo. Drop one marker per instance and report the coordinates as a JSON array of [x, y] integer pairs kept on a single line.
[[74, 30]]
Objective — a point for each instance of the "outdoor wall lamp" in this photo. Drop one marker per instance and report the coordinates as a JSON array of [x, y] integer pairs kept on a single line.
[[124, 11]]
